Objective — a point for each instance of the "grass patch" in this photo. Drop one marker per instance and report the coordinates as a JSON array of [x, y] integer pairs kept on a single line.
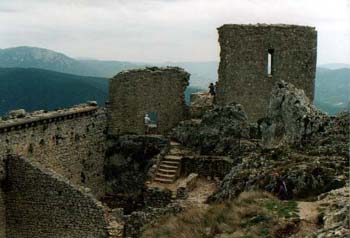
[[287, 209], [251, 215]]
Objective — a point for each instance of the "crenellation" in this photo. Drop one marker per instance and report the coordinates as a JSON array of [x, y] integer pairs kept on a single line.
[[41, 117]]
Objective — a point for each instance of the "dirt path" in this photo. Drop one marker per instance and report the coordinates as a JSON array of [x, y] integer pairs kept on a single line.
[[198, 196], [308, 213]]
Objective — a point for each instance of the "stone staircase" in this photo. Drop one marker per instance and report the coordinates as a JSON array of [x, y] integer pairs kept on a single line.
[[169, 167]]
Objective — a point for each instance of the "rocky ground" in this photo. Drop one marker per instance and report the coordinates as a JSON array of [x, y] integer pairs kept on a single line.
[[305, 146], [334, 213]]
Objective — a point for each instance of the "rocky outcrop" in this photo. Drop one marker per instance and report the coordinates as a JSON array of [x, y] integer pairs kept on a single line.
[[201, 102], [305, 146], [305, 176], [219, 132], [335, 213], [291, 117], [294, 121]]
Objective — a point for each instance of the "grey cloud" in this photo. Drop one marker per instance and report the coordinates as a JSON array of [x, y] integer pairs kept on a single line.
[[161, 30]]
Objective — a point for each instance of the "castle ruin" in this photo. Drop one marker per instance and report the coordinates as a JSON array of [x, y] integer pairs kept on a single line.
[[53, 164], [254, 57], [135, 93]]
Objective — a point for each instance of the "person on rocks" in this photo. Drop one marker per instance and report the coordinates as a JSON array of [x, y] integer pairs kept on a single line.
[[212, 89], [280, 187]]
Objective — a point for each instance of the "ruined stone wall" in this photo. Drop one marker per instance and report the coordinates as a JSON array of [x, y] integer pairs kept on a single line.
[[137, 92], [243, 70], [42, 204], [71, 142], [212, 166], [2, 215]]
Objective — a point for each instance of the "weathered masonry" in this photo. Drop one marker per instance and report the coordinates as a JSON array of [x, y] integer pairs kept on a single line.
[[135, 93], [41, 204], [254, 57], [71, 142], [51, 174]]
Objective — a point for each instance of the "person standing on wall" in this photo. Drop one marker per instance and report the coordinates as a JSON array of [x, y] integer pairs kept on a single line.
[[212, 89]]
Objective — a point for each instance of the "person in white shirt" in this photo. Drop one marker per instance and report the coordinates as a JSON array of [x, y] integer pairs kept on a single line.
[[148, 121]]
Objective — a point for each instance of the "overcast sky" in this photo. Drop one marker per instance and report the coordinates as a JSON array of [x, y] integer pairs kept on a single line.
[[163, 30]]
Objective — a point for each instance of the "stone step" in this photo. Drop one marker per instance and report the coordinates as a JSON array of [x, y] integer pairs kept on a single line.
[[179, 152], [163, 180], [167, 171], [173, 143], [165, 166], [172, 157], [196, 121], [163, 175], [170, 162]]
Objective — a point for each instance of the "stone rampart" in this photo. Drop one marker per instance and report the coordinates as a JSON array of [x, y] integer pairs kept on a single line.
[[43, 204], [71, 142]]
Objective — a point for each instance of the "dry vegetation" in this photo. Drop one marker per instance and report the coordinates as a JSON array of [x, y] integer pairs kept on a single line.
[[252, 214]]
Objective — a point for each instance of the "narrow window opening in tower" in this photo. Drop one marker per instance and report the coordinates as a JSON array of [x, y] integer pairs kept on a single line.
[[270, 69]]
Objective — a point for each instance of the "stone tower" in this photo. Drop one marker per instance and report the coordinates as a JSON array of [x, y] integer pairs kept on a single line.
[[254, 57], [134, 93]]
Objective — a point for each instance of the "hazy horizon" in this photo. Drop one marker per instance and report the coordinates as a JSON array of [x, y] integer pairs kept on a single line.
[[163, 30]]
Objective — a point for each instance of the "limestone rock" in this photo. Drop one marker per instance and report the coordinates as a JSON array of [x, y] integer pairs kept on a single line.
[[293, 120], [219, 132], [335, 213], [201, 102], [305, 176]]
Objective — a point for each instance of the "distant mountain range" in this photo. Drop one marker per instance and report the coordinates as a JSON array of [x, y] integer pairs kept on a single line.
[[28, 80], [32, 57], [36, 89], [332, 89], [334, 66]]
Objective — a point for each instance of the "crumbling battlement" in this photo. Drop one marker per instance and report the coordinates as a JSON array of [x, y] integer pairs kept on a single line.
[[43, 204], [254, 57], [71, 142], [42, 117], [134, 93]]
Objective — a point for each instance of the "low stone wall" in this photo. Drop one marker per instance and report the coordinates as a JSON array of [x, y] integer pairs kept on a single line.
[[212, 166], [157, 197], [71, 142], [42, 204], [135, 222]]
